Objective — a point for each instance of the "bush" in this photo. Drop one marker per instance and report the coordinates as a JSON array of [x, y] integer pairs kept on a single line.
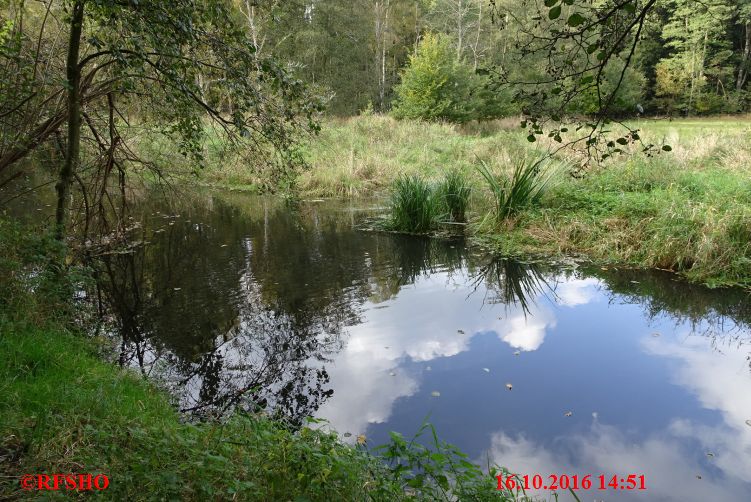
[[435, 85]]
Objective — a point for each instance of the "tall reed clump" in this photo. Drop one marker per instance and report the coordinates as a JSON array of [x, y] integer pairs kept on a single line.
[[524, 188], [413, 205], [453, 196]]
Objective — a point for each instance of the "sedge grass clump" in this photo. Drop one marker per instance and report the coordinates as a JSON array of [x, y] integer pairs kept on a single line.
[[413, 205], [452, 195], [524, 188]]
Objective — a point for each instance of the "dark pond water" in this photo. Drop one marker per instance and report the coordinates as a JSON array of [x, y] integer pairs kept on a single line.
[[242, 301]]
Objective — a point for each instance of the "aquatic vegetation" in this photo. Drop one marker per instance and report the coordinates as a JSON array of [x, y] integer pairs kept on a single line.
[[413, 205], [523, 188], [453, 193]]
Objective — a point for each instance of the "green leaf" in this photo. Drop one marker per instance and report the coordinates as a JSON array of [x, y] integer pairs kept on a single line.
[[622, 141], [443, 481], [531, 138], [555, 12], [667, 148], [550, 3], [575, 20], [587, 80]]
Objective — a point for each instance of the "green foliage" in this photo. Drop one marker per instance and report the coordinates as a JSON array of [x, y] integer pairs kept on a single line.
[[697, 75], [64, 411], [439, 471], [35, 287], [414, 207], [435, 85], [523, 189], [171, 69], [629, 94], [453, 193]]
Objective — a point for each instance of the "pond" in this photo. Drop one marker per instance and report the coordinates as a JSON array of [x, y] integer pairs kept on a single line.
[[242, 301]]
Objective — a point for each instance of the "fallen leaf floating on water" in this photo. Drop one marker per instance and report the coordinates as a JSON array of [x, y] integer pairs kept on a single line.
[[748, 422], [361, 439], [428, 368], [435, 393], [486, 370], [655, 335], [391, 373], [460, 331], [634, 282], [347, 434], [710, 454], [177, 289], [509, 386], [224, 245], [568, 413], [698, 476], [517, 353]]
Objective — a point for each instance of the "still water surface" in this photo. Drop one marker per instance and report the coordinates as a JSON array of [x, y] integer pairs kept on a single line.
[[243, 301]]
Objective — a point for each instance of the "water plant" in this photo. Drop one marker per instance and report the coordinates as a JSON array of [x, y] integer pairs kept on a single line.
[[413, 205], [523, 188], [453, 196]]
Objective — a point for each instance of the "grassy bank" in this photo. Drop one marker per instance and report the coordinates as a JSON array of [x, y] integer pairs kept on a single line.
[[685, 211], [63, 409], [688, 211]]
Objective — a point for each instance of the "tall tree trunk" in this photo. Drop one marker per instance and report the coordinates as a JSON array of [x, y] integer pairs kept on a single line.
[[73, 74], [743, 66], [381, 26], [477, 39]]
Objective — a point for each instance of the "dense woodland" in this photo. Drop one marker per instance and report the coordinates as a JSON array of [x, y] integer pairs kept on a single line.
[[693, 57]]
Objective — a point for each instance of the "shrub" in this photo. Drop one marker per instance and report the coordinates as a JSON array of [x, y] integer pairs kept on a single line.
[[435, 85]]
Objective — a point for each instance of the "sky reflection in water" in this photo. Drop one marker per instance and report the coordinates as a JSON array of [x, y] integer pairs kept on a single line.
[[241, 297], [640, 403]]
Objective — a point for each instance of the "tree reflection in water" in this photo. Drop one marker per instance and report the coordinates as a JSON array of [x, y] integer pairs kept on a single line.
[[242, 302]]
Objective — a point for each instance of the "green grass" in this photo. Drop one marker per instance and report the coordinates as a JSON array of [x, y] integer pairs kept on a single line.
[[362, 155], [453, 193], [686, 211], [522, 189], [65, 411], [413, 205], [645, 214]]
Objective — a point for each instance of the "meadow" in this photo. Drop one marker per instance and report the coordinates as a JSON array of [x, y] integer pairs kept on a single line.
[[687, 210]]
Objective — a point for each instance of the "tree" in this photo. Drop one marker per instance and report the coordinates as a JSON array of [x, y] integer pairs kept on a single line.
[[699, 64], [436, 85], [177, 64]]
